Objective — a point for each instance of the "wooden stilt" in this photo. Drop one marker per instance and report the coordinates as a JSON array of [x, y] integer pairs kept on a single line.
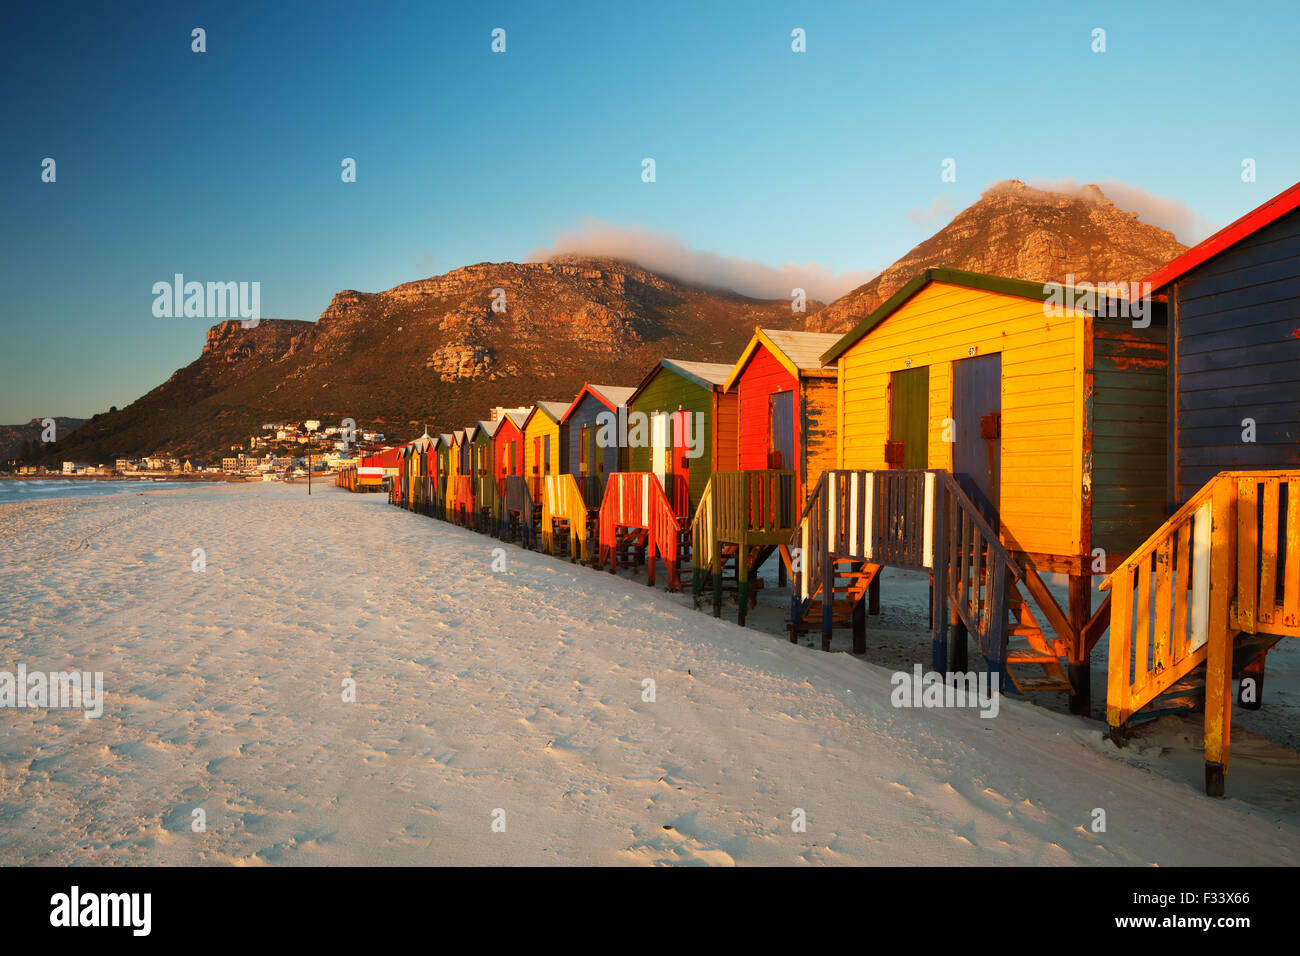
[[958, 644], [1218, 663], [860, 627], [1080, 674], [873, 595]]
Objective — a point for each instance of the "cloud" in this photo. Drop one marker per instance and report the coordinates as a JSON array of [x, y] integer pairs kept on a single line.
[[667, 255], [941, 206], [1187, 225]]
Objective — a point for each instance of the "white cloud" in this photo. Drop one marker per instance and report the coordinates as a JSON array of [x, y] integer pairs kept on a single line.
[[940, 207], [1187, 225], [667, 255]]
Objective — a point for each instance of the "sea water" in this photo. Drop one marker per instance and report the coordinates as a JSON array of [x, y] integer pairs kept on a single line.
[[35, 489]]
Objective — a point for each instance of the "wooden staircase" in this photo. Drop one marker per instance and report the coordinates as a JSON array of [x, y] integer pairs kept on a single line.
[[852, 581], [1029, 646], [1200, 603], [637, 527]]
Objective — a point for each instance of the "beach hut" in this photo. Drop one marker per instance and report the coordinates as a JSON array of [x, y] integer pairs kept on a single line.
[[515, 513], [784, 437], [485, 487], [440, 455], [671, 437], [460, 496], [560, 513], [691, 428], [542, 451], [1199, 603], [590, 430], [991, 431]]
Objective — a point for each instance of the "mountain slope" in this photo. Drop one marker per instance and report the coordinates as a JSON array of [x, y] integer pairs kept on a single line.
[[434, 352], [1017, 231]]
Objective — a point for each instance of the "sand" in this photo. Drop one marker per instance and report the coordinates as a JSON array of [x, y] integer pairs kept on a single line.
[[499, 715]]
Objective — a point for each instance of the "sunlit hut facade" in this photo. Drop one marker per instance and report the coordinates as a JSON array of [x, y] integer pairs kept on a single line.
[[1046, 403], [1212, 589]]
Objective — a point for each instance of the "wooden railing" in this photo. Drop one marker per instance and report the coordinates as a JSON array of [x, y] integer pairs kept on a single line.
[[736, 507], [1228, 561], [914, 520], [562, 502], [637, 500]]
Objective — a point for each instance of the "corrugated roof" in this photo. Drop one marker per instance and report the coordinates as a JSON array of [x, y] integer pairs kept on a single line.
[[489, 427], [614, 395], [519, 418], [711, 373], [553, 410], [803, 349]]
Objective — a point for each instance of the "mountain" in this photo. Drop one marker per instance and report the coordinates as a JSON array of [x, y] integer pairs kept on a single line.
[[13, 438], [433, 352], [1019, 232]]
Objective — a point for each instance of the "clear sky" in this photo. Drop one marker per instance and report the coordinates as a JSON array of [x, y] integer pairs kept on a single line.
[[225, 165]]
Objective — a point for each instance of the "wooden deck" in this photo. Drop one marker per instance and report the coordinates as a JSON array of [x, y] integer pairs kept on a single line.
[[742, 518]]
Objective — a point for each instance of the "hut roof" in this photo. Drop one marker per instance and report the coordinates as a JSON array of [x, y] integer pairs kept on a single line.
[[552, 410], [1255, 220], [704, 374], [611, 396], [799, 352]]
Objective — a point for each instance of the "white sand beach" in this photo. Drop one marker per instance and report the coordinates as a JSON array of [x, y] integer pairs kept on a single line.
[[517, 695]]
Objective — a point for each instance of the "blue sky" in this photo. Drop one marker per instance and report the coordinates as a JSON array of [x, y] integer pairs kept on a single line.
[[225, 165]]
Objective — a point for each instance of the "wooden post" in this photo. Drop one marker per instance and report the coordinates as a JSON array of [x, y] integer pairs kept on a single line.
[[828, 598], [717, 576], [938, 582], [860, 627], [742, 580], [1080, 673], [873, 595], [1218, 664], [958, 661]]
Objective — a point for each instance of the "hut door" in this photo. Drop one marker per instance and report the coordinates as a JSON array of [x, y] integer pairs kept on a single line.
[[680, 464], [909, 413], [659, 447], [977, 445], [781, 430]]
